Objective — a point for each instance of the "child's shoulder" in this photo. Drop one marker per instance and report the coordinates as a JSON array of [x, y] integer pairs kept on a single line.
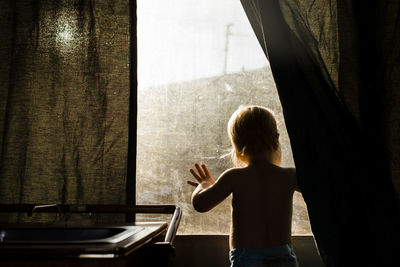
[[275, 171], [238, 172], [290, 174], [289, 170], [234, 172]]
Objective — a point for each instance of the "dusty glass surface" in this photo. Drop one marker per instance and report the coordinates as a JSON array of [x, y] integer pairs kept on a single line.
[[197, 63]]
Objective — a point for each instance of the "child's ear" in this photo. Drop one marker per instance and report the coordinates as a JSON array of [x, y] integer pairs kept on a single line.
[[241, 157]]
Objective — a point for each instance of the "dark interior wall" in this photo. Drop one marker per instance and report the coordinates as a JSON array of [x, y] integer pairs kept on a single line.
[[212, 250]]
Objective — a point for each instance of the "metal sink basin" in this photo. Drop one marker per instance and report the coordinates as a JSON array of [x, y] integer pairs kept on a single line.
[[67, 235], [20, 242]]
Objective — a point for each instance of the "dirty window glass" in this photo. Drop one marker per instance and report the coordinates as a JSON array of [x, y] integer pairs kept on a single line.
[[197, 62]]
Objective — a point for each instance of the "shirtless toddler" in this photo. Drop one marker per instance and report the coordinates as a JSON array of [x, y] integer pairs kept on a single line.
[[262, 192]]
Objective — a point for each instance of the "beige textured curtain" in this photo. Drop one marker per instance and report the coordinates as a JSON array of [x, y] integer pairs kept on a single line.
[[64, 101]]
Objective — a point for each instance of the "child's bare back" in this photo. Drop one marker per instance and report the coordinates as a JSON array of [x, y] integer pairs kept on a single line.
[[261, 205]]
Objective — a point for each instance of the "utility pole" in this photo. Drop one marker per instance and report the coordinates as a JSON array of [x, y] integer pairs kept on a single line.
[[228, 33]]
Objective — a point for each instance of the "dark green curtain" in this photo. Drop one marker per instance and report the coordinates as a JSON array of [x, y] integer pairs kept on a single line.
[[64, 101], [336, 65]]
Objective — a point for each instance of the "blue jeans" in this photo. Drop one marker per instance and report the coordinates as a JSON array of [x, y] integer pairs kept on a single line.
[[282, 256]]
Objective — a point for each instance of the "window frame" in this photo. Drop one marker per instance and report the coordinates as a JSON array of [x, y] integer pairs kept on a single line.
[[132, 127]]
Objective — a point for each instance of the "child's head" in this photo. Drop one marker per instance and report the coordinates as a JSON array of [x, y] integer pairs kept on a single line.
[[254, 134]]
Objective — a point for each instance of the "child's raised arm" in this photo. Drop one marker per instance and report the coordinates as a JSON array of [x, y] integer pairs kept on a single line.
[[208, 193]]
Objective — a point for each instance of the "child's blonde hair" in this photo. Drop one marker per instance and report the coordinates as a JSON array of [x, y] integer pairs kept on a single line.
[[253, 132]]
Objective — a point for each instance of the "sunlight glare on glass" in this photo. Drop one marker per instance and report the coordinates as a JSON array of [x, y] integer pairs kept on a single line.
[[193, 40], [65, 31]]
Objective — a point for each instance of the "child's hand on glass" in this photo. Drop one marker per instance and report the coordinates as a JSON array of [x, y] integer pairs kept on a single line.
[[203, 176]]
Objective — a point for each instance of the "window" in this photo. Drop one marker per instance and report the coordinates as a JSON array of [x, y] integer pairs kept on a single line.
[[198, 60]]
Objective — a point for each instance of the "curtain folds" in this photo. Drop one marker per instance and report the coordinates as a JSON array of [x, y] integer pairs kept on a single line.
[[336, 66], [64, 92]]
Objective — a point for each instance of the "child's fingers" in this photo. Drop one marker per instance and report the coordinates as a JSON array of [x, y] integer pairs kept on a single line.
[[208, 174], [198, 178], [192, 183], [199, 170]]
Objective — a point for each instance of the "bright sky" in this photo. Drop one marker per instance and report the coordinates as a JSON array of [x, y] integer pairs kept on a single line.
[[182, 40]]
